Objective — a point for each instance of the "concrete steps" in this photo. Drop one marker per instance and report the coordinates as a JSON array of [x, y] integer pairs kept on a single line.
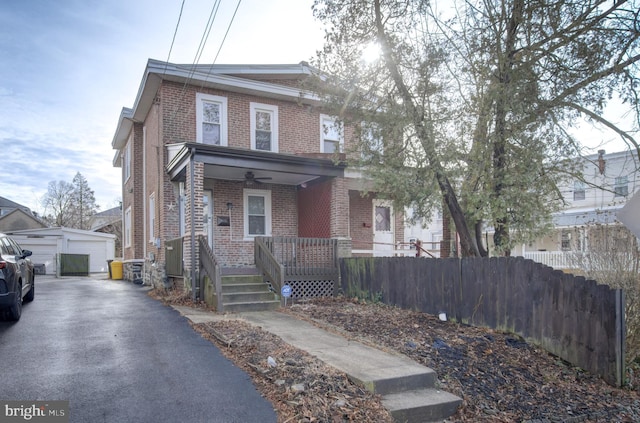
[[246, 292], [421, 405], [408, 391]]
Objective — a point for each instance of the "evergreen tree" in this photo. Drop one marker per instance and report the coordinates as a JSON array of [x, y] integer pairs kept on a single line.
[[84, 202]]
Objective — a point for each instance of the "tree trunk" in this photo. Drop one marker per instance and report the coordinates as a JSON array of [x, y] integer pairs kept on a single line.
[[467, 241]]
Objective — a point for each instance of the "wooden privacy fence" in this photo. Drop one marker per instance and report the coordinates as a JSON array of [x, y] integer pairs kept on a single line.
[[569, 316]]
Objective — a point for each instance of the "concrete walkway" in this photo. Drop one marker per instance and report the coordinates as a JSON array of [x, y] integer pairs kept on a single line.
[[408, 389]]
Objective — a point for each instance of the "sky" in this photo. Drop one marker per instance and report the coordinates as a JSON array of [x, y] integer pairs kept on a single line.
[[67, 67]]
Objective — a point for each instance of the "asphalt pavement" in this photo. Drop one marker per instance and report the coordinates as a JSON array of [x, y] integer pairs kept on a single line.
[[119, 356]]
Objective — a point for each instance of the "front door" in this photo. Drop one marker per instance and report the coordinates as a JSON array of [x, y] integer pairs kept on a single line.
[[207, 215], [383, 231]]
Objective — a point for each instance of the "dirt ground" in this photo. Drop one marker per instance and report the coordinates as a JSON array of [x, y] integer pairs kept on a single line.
[[500, 377]]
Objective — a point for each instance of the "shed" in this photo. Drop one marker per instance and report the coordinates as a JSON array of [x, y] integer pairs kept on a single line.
[[47, 243]]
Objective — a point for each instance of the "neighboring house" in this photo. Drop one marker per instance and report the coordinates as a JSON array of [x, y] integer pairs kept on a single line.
[[109, 222], [610, 181], [14, 216], [48, 243], [233, 153]]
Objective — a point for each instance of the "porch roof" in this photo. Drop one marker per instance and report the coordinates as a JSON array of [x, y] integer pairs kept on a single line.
[[569, 219], [233, 164]]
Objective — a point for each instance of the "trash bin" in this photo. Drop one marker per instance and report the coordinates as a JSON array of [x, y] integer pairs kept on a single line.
[[109, 267], [116, 269]]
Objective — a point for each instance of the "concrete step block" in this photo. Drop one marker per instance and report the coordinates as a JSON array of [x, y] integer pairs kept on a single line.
[[423, 405], [240, 307]]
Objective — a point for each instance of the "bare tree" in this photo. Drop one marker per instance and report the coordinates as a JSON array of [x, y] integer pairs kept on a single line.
[[474, 103], [57, 204], [69, 204]]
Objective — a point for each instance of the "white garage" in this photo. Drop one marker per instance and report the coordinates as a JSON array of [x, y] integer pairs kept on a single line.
[[47, 243]]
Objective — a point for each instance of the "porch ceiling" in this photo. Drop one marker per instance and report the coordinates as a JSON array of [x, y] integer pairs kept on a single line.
[[233, 163]]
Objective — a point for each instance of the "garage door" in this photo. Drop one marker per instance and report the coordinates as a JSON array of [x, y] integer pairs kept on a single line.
[[97, 251], [44, 250]]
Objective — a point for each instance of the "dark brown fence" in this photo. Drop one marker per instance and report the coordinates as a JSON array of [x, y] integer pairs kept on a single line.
[[74, 264], [173, 257], [571, 317]]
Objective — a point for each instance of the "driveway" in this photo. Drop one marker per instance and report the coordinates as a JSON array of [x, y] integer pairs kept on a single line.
[[119, 356]]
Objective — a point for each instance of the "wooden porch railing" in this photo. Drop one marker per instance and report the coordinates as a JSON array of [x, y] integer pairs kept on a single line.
[[210, 267], [173, 257], [287, 260], [267, 262]]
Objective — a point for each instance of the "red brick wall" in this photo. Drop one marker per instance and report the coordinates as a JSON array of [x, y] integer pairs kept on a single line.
[[361, 221], [132, 196], [298, 125], [230, 244]]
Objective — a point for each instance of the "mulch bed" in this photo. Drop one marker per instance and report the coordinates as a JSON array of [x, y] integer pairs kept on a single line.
[[500, 377], [301, 387]]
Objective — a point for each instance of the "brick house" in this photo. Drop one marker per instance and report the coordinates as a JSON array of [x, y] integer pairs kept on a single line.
[[227, 155]]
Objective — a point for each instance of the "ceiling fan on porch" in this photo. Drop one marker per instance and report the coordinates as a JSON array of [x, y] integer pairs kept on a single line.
[[251, 179]]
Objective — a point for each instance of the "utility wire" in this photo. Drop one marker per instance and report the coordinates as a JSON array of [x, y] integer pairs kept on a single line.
[[173, 40]]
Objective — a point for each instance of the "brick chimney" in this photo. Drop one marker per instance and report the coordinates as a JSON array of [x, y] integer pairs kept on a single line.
[[601, 162]]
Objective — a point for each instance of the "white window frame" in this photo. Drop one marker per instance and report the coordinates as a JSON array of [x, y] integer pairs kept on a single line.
[[273, 111], [621, 186], [373, 144], [324, 119], [152, 217], [127, 160], [127, 227], [579, 187], [201, 98], [267, 210]]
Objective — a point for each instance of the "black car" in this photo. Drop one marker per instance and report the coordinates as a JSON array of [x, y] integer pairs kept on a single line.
[[16, 278]]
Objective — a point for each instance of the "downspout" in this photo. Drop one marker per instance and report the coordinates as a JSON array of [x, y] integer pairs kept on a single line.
[[192, 206], [144, 192]]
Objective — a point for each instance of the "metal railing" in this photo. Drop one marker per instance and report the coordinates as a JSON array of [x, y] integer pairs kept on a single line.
[[210, 267], [173, 257]]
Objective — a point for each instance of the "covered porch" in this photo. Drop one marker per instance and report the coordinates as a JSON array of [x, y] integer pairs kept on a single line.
[[245, 211]]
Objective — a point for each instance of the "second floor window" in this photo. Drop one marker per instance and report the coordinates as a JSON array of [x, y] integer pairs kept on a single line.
[[578, 191], [621, 187], [264, 127], [211, 119], [331, 139]]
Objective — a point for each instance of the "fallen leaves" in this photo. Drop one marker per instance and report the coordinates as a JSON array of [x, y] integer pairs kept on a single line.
[[301, 387], [499, 376]]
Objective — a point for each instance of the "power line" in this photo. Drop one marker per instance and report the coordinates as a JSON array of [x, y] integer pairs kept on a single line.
[[175, 32]]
